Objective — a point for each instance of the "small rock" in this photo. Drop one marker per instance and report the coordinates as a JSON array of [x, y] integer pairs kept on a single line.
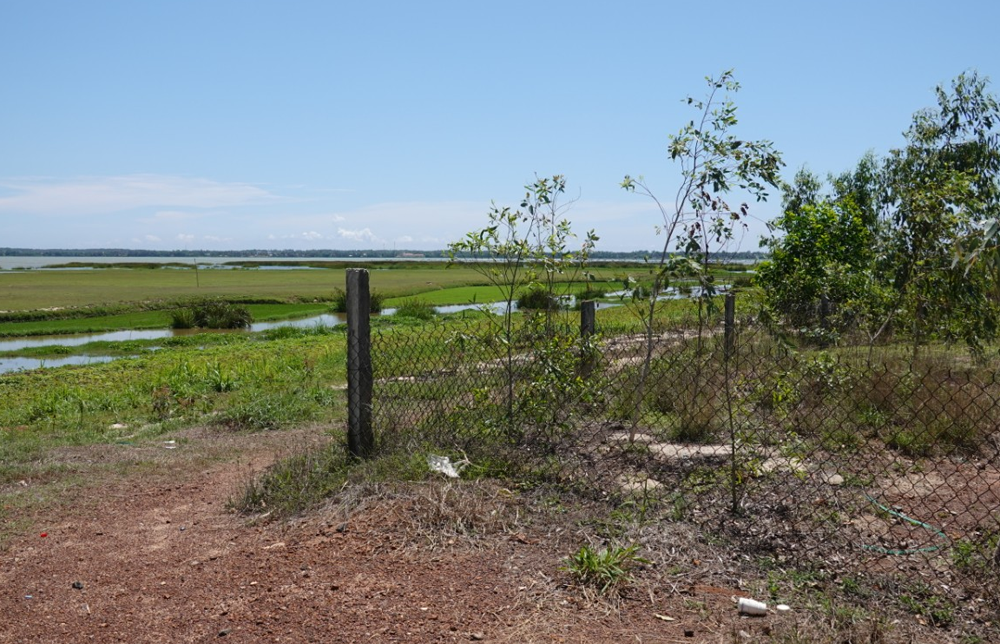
[[477, 636], [78, 585], [835, 479], [688, 633], [224, 632]]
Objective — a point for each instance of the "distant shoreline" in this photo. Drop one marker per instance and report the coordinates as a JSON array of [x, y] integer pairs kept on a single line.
[[263, 254]]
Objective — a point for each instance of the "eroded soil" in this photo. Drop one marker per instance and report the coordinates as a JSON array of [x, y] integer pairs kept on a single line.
[[147, 551]]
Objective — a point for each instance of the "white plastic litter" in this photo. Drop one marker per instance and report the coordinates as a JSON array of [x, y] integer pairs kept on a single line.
[[443, 465], [752, 607], [169, 444]]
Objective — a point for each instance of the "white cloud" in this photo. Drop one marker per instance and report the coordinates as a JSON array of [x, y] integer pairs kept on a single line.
[[151, 238], [365, 234], [216, 238], [312, 235], [404, 239], [187, 239], [109, 194]]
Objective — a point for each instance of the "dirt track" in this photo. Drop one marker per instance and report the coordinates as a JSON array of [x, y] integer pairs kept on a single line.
[[153, 555]]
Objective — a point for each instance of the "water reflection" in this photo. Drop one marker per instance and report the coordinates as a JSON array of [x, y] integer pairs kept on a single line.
[[326, 319], [19, 364]]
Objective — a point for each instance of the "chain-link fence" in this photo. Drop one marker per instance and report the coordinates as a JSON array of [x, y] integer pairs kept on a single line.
[[863, 458]]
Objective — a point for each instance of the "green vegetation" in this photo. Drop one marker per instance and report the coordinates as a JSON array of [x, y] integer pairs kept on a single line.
[[212, 314], [658, 395], [607, 569], [713, 161], [236, 382], [376, 301], [903, 246], [415, 308]]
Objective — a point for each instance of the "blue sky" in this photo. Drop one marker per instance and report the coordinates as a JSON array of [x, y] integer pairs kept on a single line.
[[306, 124]]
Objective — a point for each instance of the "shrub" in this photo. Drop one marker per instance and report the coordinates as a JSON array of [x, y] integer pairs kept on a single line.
[[413, 308], [222, 315], [212, 314], [339, 304], [591, 293], [607, 568], [536, 297], [182, 319]]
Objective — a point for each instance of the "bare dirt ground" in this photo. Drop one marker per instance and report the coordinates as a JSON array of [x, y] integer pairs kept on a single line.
[[147, 551]]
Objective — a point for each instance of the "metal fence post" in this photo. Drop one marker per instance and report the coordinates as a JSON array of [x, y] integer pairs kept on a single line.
[[360, 438]]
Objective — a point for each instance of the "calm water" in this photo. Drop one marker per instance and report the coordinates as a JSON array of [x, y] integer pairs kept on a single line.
[[11, 263], [326, 319]]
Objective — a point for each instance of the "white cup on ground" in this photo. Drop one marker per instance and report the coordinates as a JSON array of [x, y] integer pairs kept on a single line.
[[749, 606]]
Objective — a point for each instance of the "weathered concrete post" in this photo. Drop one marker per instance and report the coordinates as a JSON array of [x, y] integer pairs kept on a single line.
[[730, 328], [588, 312], [360, 438], [588, 326]]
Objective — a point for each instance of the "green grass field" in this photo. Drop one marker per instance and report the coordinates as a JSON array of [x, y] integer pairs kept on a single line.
[[35, 290]]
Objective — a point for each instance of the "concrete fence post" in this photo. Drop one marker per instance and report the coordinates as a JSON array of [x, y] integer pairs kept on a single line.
[[360, 438], [588, 326], [730, 326]]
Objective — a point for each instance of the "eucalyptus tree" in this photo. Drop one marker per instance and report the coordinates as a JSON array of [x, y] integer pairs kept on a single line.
[[714, 162]]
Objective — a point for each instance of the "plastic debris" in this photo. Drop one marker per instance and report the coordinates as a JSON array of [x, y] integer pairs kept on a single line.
[[169, 444], [444, 465], [752, 607]]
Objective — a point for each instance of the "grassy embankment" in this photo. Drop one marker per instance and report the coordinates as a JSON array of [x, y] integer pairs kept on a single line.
[[242, 381], [53, 302]]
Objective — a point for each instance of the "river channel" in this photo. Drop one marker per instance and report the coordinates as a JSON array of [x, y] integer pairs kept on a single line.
[[75, 340]]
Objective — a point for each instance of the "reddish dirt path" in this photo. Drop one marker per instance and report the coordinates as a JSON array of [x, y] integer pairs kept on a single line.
[[154, 556]]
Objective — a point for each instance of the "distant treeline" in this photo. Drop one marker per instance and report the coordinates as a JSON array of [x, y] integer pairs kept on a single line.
[[288, 253]]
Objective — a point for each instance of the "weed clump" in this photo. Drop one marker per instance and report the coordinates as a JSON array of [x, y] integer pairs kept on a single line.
[[416, 309], [212, 314], [607, 569], [537, 298], [376, 301]]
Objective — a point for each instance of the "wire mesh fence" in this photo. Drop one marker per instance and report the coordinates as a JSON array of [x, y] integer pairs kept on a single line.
[[861, 458]]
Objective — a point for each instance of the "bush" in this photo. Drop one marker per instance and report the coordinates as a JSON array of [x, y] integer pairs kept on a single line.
[[222, 315], [418, 309], [212, 314], [339, 305], [607, 569], [591, 293], [536, 298], [182, 319]]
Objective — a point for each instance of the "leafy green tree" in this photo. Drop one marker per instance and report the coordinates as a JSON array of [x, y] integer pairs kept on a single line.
[[803, 191], [912, 240], [713, 162], [943, 199], [819, 276], [523, 249], [864, 187]]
